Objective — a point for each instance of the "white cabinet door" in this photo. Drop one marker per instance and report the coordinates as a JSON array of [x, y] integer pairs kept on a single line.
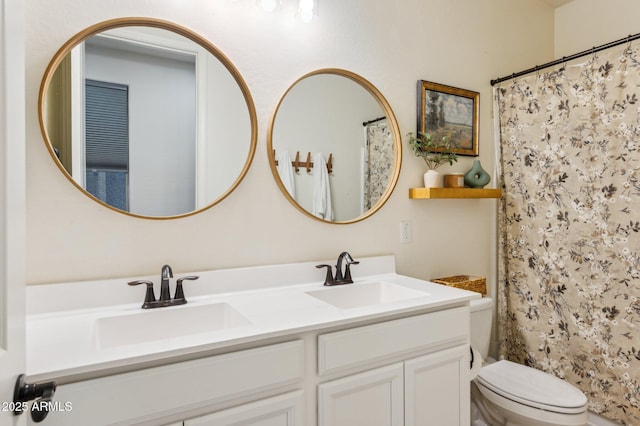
[[437, 388], [372, 398], [283, 410]]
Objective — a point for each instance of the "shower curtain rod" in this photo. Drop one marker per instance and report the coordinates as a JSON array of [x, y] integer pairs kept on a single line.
[[375, 120], [565, 59]]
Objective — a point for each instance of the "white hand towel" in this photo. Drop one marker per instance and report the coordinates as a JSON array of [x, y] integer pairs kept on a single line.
[[285, 170], [322, 207]]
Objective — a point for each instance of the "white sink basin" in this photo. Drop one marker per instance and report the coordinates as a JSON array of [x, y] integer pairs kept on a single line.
[[349, 296], [165, 323]]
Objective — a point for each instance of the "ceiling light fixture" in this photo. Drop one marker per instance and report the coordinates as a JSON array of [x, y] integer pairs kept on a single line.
[[306, 10], [268, 5]]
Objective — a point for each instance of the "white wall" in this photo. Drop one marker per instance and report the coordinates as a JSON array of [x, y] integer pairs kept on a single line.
[[463, 43], [583, 24]]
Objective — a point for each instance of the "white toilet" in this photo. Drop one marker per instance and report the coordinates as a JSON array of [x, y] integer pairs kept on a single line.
[[506, 393]]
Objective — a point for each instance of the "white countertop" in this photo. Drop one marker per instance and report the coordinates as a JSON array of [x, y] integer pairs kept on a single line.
[[63, 343]]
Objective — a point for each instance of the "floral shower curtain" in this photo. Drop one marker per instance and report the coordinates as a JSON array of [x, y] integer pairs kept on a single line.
[[569, 281], [378, 162]]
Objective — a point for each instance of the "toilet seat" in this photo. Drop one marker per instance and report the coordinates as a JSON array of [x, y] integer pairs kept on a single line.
[[531, 387]]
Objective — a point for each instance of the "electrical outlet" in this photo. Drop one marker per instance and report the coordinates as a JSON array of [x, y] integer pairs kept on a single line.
[[405, 231]]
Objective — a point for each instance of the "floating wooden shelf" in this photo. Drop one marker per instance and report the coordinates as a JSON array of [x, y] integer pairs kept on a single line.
[[417, 193]]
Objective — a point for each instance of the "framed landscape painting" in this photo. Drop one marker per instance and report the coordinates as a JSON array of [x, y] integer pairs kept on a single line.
[[450, 113]]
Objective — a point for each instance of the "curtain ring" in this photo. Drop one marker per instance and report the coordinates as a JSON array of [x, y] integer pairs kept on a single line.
[[594, 53], [628, 50]]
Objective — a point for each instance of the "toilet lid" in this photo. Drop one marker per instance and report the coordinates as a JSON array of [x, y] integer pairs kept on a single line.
[[532, 387]]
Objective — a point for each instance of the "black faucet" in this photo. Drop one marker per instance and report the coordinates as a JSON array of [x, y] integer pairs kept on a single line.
[[340, 277], [346, 277], [166, 274], [165, 296]]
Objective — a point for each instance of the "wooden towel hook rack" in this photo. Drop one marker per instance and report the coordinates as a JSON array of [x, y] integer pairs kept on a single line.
[[308, 164]]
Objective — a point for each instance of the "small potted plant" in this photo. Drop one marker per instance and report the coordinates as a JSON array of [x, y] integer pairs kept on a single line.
[[434, 155]]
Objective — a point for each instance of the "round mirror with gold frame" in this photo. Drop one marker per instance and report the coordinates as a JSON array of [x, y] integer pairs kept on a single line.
[[147, 118], [334, 146]]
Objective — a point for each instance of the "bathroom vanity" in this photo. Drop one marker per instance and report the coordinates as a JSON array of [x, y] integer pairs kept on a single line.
[[259, 346]]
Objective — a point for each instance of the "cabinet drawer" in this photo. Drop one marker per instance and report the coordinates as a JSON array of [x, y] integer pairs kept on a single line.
[[162, 391], [345, 350]]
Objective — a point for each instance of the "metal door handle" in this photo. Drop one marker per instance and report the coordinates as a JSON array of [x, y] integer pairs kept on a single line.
[[25, 392]]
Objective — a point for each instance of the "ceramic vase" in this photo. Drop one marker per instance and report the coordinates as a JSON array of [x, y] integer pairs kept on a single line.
[[432, 179], [477, 177]]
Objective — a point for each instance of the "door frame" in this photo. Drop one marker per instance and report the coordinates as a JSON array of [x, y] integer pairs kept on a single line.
[[12, 202]]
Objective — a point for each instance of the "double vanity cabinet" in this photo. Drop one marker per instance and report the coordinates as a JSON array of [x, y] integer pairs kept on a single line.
[[385, 350]]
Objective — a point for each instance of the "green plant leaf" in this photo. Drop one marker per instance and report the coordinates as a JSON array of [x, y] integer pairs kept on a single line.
[[434, 154]]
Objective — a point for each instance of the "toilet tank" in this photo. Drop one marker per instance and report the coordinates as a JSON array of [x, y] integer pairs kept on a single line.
[[481, 319]]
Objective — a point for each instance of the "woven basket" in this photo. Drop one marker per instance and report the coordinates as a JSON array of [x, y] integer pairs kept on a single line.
[[465, 282]]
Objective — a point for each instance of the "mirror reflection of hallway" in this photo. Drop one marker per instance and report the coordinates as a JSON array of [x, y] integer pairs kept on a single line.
[[179, 140]]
